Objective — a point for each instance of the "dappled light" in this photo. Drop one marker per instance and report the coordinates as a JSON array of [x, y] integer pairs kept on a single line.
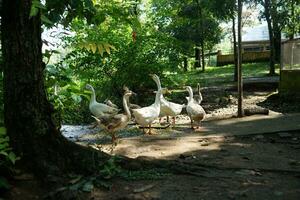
[[149, 100]]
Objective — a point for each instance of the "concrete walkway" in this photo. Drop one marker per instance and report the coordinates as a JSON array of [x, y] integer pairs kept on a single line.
[[256, 124], [173, 142]]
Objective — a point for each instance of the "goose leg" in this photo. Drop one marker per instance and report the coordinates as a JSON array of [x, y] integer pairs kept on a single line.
[[113, 138], [150, 133], [192, 125], [174, 118], [94, 125]]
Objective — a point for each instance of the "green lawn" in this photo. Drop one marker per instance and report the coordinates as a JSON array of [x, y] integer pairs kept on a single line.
[[214, 76]]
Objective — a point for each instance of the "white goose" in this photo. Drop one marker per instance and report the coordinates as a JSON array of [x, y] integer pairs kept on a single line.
[[110, 103], [99, 109], [167, 108], [194, 110], [116, 122], [198, 97], [131, 105], [146, 115]]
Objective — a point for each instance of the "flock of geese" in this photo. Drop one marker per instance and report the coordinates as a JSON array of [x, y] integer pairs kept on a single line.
[[108, 117]]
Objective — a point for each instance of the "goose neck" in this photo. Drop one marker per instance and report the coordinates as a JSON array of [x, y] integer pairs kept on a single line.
[[157, 97], [190, 94], [125, 105], [93, 96]]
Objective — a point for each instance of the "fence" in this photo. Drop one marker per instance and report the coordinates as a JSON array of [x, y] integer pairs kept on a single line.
[[247, 57], [290, 67]]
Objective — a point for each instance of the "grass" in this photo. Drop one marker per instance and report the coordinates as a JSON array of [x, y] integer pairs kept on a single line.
[[214, 76]]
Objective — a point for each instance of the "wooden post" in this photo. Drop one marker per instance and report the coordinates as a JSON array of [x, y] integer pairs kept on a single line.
[[240, 79]]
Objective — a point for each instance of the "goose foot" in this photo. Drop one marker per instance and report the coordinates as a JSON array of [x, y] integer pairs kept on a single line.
[[93, 125], [113, 139], [149, 132], [174, 119]]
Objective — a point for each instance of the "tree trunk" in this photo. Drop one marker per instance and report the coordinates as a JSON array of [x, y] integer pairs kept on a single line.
[[240, 77], [209, 58], [291, 36], [27, 111], [185, 64], [235, 56], [197, 58], [202, 56], [202, 35], [277, 45], [271, 37]]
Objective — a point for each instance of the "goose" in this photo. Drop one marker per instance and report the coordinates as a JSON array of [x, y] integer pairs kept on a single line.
[[198, 97], [146, 115], [131, 105], [99, 109], [110, 103], [194, 110], [167, 108], [114, 123]]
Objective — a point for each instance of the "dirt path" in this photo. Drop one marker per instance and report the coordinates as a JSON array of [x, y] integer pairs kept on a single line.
[[248, 167], [256, 157]]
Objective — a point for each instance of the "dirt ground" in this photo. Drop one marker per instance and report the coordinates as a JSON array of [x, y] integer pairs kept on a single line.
[[259, 166]]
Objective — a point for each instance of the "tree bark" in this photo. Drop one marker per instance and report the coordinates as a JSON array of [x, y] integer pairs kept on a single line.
[[202, 56], [271, 36], [240, 77], [202, 36], [235, 56], [27, 111], [277, 45], [197, 58], [185, 64], [291, 36]]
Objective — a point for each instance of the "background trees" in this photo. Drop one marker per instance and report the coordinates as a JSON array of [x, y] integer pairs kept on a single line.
[[192, 23], [280, 16]]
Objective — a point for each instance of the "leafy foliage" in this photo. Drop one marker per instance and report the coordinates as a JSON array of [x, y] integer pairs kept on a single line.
[[7, 157]]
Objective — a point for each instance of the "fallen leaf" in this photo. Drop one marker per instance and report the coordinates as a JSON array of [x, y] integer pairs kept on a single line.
[[144, 188]]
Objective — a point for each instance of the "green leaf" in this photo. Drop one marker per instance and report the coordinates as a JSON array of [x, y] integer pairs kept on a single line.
[[107, 48], [76, 98], [2, 131], [102, 183], [100, 49], [3, 183], [93, 48], [5, 139], [4, 146], [88, 186], [46, 20], [38, 4], [33, 11], [12, 157], [4, 153]]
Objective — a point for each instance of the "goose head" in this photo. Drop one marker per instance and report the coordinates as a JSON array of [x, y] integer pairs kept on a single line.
[[190, 90], [89, 87], [156, 79], [128, 92]]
